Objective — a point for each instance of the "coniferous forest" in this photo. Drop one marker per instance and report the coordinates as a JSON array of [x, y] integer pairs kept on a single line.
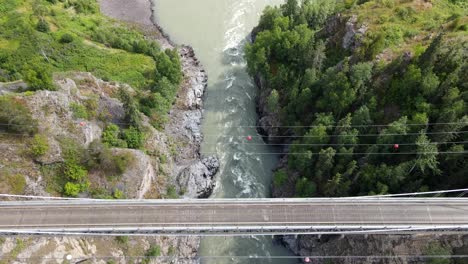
[[370, 96]]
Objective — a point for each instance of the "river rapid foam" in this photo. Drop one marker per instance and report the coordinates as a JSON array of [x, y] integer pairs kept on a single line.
[[218, 31]]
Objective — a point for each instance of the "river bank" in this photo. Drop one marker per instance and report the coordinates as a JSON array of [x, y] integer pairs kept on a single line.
[[192, 174]]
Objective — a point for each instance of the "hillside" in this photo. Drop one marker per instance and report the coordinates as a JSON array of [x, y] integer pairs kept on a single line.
[[370, 96], [92, 107], [367, 97], [40, 37]]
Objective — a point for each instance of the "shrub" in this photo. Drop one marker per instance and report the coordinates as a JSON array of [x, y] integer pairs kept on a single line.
[[305, 188], [83, 6], [92, 107], [280, 178], [110, 137], [118, 194], [15, 117], [38, 77], [436, 249], [100, 193], [133, 137], [153, 251], [39, 146], [43, 26], [122, 161], [74, 172], [171, 192], [66, 38], [72, 151], [72, 189], [17, 183], [79, 111], [121, 239], [103, 159], [273, 101], [162, 158]]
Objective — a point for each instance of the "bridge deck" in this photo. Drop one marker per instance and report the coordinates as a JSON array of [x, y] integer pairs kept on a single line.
[[245, 216]]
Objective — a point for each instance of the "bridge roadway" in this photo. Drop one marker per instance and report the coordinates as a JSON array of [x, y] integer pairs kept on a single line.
[[235, 216]]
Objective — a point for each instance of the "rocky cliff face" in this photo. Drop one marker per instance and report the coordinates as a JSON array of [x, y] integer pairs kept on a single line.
[[145, 177], [187, 113], [149, 176], [194, 174]]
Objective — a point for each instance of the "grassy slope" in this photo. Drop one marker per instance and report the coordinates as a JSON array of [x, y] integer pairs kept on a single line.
[[23, 47], [406, 25]]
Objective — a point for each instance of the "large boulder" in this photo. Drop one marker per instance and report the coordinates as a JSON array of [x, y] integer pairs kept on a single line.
[[197, 180]]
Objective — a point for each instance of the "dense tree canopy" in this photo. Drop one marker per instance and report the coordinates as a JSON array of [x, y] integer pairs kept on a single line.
[[363, 126]]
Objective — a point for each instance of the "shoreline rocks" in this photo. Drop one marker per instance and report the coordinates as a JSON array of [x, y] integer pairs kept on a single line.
[[185, 117]]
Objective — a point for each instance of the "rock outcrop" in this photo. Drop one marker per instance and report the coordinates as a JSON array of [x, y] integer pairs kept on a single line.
[[197, 180], [352, 37], [12, 87]]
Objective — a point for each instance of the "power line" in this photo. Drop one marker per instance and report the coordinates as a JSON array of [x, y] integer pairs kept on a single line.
[[345, 153], [331, 144], [295, 136], [342, 126], [340, 135], [311, 126], [304, 144]]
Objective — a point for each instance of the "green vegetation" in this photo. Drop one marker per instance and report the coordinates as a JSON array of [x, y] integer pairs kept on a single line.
[[436, 249], [133, 137], [17, 183], [111, 137], [39, 146], [170, 251], [40, 37], [280, 177], [114, 137], [15, 118], [14, 252], [100, 157], [349, 107], [171, 192], [71, 177], [121, 239], [79, 111], [153, 251]]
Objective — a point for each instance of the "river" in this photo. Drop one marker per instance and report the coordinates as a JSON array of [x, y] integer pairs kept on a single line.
[[217, 30]]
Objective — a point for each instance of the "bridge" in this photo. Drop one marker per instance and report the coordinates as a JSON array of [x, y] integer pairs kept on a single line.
[[235, 216]]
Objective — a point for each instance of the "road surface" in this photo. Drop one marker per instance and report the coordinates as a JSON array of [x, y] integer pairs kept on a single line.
[[232, 216]]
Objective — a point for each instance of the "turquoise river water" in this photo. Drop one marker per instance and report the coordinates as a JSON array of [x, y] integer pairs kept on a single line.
[[218, 30]]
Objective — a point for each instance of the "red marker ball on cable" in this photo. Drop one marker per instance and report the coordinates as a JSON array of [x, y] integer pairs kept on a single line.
[[82, 123], [249, 138], [307, 260], [396, 146]]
